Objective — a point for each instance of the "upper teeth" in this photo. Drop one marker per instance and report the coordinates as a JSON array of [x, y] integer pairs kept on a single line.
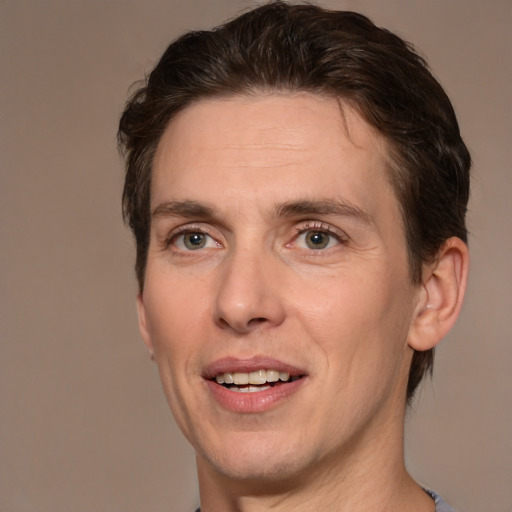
[[257, 378]]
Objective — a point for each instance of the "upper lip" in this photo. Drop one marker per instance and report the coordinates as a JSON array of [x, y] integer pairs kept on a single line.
[[233, 364]]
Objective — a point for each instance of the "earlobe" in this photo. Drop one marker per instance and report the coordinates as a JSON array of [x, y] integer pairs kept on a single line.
[[144, 332], [442, 294]]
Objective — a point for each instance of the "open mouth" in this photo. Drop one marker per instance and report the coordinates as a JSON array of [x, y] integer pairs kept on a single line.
[[253, 382]]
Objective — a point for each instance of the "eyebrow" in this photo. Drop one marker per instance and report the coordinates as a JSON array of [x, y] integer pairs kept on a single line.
[[322, 207], [193, 209], [186, 209]]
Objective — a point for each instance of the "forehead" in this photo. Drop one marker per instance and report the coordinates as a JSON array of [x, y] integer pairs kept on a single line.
[[277, 145]]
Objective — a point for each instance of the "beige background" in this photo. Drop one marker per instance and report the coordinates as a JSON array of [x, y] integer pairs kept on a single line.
[[84, 426]]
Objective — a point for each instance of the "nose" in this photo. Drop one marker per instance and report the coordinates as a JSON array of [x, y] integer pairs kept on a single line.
[[249, 295]]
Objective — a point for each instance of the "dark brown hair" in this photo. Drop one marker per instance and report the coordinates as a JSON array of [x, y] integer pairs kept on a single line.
[[285, 47]]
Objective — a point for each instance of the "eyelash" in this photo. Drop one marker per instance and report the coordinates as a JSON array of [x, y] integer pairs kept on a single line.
[[320, 227], [183, 230]]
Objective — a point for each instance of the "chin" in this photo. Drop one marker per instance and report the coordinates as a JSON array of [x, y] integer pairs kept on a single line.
[[258, 460], [261, 471]]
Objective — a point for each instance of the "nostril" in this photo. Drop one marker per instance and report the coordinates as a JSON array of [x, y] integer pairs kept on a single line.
[[223, 323], [256, 321], [240, 325]]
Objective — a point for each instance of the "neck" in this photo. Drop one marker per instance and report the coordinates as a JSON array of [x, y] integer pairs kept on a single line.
[[368, 475]]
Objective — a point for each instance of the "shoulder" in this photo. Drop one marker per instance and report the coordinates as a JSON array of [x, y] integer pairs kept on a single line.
[[441, 505]]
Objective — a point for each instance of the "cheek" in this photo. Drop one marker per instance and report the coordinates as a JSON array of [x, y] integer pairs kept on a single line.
[[173, 303], [352, 315], [171, 317], [338, 302]]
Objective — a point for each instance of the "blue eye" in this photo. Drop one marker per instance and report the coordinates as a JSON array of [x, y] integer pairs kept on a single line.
[[316, 239]]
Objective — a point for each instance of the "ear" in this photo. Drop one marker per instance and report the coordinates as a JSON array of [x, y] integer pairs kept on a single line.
[[443, 287], [144, 332]]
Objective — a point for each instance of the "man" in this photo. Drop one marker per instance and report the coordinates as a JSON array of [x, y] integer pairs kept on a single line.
[[297, 187]]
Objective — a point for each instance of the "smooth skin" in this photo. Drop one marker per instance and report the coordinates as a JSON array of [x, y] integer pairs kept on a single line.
[[275, 233]]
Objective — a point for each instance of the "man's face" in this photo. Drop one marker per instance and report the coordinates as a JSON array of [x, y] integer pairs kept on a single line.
[[277, 256]]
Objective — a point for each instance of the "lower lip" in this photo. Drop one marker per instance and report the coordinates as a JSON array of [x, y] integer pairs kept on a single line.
[[258, 401]]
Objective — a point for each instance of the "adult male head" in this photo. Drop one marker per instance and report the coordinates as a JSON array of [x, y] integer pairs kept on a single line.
[[297, 187]]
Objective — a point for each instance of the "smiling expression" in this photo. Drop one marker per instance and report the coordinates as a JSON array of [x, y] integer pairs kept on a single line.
[[277, 296]]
